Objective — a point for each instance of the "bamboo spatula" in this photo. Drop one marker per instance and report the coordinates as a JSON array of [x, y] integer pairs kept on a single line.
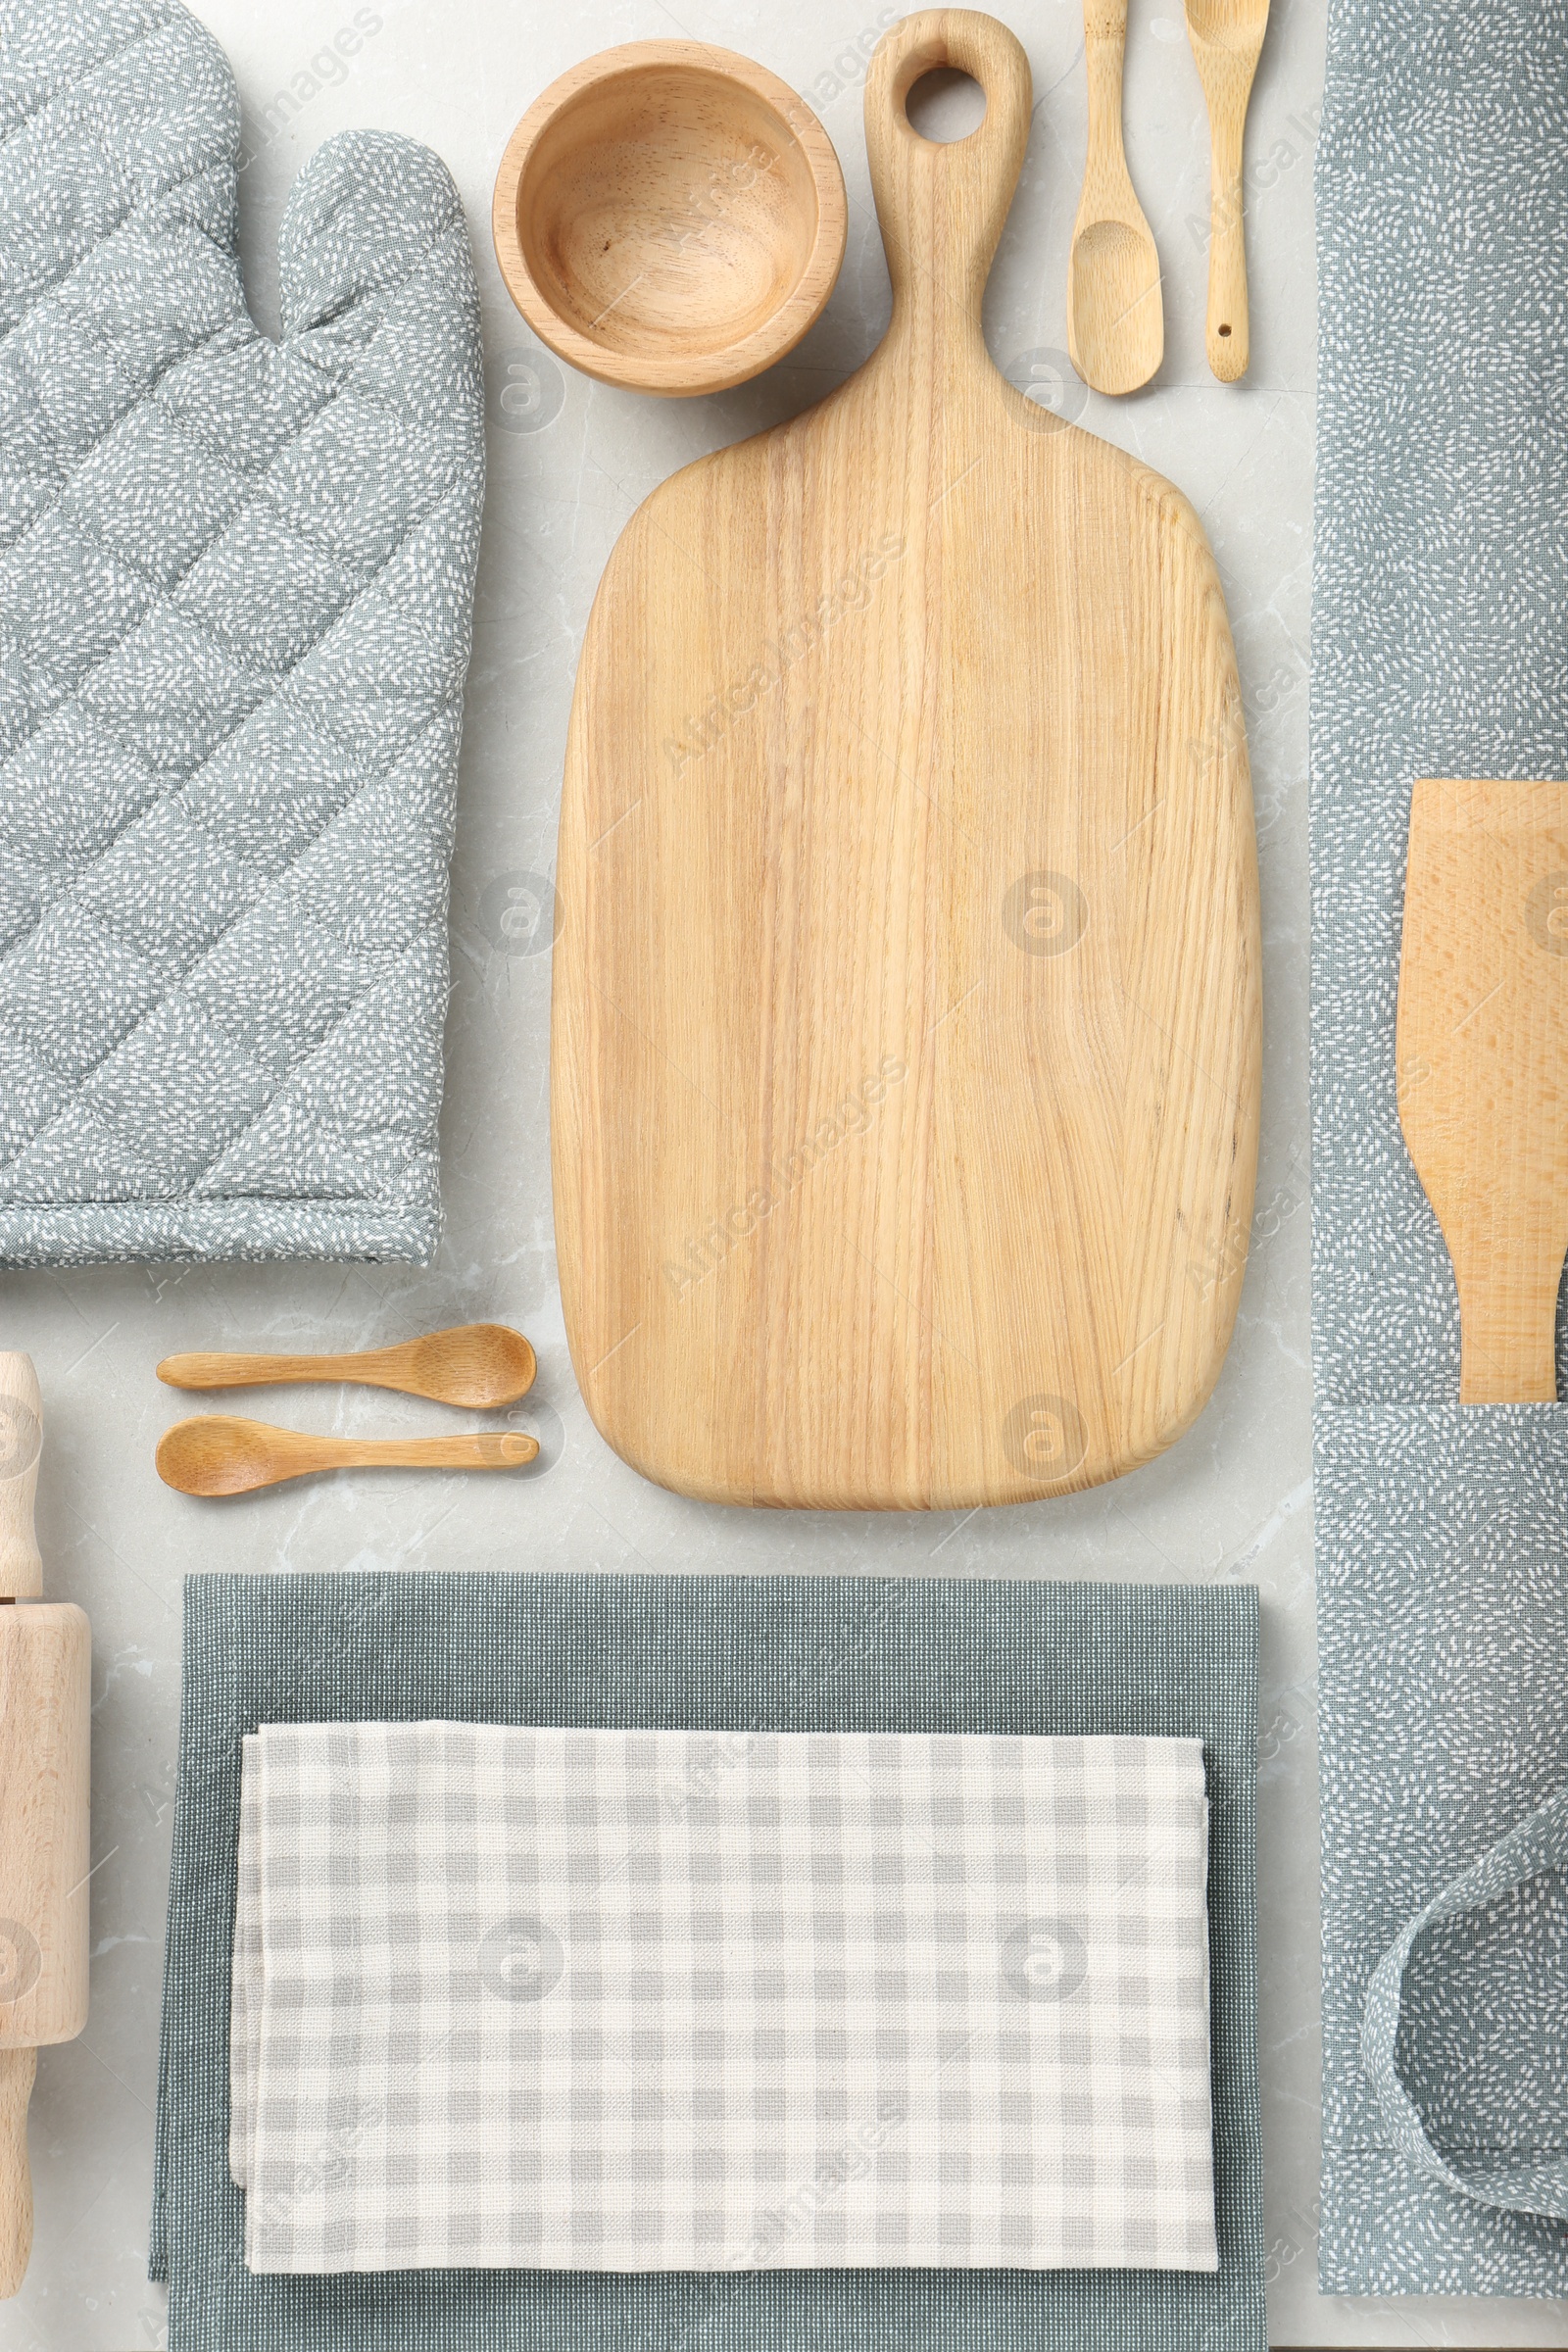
[[1482, 1065], [1227, 37], [1115, 315]]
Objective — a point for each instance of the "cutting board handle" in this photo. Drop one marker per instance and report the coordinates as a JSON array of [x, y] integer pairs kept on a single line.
[[942, 204]]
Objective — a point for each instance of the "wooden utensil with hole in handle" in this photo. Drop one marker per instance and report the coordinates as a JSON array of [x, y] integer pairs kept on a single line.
[[906, 1022], [1482, 1065], [45, 1714], [219, 1454], [1227, 38], [1115, 310], [478, 1365]]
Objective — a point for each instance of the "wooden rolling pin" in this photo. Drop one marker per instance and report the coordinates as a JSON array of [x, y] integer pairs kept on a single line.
[[1482, 1065], [45, 1702]]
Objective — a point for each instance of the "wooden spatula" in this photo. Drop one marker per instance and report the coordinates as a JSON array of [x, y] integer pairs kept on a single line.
[[45, 1711], [1482, 1065], [1227, 38], [1115, 312], [904, 1032]]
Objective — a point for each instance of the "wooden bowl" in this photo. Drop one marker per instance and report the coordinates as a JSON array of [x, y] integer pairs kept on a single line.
[[669, 216]]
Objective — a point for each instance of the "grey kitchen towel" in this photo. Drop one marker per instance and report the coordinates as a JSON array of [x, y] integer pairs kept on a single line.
[[657, 2000], [236, 582], [736, 1658], [1441, 563]]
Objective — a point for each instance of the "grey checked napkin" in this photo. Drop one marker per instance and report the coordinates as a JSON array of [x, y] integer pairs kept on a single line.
[[689, 2000]]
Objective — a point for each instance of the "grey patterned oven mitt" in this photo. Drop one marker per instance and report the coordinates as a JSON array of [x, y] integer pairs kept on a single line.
[[236, 582]]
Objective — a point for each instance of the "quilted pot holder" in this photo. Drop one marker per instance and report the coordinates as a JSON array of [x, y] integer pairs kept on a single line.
[[236, 586]]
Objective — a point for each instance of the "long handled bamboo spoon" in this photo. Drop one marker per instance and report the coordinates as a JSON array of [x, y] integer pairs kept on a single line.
[[1227, 37], [219, 1454], [1116, 313], [475, 1364]]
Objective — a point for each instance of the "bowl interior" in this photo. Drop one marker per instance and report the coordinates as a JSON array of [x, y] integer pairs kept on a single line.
[[667, 209]]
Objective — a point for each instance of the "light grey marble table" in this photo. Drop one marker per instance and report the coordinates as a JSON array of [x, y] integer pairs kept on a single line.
[[568, 462]]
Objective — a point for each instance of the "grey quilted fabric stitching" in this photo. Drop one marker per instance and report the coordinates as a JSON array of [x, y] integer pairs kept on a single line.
[[236, 584]]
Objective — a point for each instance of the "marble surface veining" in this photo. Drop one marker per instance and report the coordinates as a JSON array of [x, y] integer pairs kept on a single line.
[[569, 459]]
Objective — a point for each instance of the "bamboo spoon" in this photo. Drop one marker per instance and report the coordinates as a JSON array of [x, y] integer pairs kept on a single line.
[[219, 1454], [475, 1364], [1116, 313], [1227, 37]]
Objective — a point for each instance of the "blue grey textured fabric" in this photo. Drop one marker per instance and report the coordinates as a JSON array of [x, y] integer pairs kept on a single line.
[[236, 582], [1439, 569], [1516, 2022], [727, 1655]]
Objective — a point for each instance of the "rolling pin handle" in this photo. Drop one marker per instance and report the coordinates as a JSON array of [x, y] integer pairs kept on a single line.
[[20, 1443], [17, 2070]]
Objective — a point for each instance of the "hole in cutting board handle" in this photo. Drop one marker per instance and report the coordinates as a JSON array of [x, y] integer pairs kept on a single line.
[[944, 105], [1222, 330]]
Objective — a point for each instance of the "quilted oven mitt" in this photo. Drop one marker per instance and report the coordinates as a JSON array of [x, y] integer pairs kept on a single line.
[[236, 584]]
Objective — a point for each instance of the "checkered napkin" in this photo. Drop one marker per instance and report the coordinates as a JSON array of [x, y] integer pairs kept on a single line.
[[686, 2000]]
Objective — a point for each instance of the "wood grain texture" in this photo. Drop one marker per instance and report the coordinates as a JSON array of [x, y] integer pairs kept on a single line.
[[1482, 1065], [16, 2071], [21, 1446], [45, 1711], [1115, 310], [480, 1365], [906, 1027], [1227, 38], [222, 1453], [45, 1719], [669, 216]]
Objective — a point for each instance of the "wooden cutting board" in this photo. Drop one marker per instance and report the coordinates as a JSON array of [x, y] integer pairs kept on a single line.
[[906, 1033]]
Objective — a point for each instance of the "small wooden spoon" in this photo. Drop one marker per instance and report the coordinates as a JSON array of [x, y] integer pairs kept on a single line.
[[219, 1454], [1227, 37], [1115, 312], [475, 1364]]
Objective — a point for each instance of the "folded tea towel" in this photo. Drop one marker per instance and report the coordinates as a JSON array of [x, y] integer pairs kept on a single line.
[[742, 1658], [1442, 1608], [236, 582], [1440, 522], [669, 2001], [1490, 1957]]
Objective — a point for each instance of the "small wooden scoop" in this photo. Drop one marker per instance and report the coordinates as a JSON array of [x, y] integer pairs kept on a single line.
[[1227, 37], [475, 1364], [219, 1454], [1115, 312], [1482, 1065], [45, 1715]]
